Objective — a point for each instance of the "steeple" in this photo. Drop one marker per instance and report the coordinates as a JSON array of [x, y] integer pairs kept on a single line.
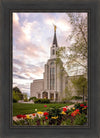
[[54, 47], [55, 39]]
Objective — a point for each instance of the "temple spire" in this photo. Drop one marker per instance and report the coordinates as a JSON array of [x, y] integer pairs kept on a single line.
[[55, 39]]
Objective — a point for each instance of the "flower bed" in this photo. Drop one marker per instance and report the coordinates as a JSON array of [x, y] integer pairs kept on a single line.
[[55, 116]]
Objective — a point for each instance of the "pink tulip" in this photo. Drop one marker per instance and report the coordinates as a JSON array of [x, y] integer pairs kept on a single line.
[[45, 105]]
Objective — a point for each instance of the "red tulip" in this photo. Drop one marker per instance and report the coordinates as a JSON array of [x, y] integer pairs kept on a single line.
[[64, 109], [46, 113], [33, 114], [85, 106], [82, 105], [19, 116], [77, 110], [46, 117], [24, 116]]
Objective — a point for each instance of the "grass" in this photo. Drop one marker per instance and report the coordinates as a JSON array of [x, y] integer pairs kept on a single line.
[[24, 108]]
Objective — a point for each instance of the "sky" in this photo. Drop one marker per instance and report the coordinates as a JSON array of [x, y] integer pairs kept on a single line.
[[32, 38]]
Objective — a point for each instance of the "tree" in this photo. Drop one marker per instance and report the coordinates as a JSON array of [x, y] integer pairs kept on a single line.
[[15, 97], [75, 55], [18, 93], [25, 97], [80, 84], [67, 93]]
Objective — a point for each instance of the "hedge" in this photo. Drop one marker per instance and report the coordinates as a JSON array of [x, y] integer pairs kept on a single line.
[[41, 101]]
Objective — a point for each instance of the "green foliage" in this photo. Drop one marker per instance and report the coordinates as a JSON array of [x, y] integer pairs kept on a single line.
[[25, 97], [76, 98], [25, 122], [41, 101], [80, 119], [15, 100], [82, 110], [15, 97], [67, 93], [77, 106], [56, 114], [66, 122], [80, 83], [54, 111], [32, 98], [18, 92]]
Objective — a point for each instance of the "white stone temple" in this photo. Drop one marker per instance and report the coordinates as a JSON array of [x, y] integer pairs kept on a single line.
[[55, 79]]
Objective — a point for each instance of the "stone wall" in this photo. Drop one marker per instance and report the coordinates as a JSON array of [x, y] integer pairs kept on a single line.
[[37, 87]]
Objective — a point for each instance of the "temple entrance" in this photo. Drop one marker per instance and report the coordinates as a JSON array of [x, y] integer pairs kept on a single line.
[[45, 95], [51, 96]]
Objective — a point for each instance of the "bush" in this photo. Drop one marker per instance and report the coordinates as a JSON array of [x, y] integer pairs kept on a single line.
[[76, 98], [15, 100], [18, 93], [15, 97], [32, 98], [25, 100], [41, 101], [80, 119]]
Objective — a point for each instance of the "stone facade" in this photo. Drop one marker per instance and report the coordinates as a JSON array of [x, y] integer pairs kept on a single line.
[[36, 87]]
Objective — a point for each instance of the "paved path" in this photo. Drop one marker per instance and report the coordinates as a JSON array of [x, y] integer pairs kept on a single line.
[[70, 106]]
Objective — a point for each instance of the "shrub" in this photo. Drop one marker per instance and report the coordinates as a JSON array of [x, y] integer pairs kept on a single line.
[[76, 98], [18, 92], [25, 97], [32, 98], [41, 101], [54, 116], [15, 100], [54, 111], [68, 122], [15, 97], [80, 119]]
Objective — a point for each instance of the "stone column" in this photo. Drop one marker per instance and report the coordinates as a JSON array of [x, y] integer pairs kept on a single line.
[[54, 96], [41, 95], [48, 95]]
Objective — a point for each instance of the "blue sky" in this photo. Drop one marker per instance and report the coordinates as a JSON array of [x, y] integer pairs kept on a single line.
[[32, 39]]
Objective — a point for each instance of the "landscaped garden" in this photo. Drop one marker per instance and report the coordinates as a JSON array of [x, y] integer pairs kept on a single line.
[[50, 114]]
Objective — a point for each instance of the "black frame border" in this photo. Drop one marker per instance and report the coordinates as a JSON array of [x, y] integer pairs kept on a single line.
[[8, 6]]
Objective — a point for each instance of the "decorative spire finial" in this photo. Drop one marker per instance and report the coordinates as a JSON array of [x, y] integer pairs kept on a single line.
[[54, 27]]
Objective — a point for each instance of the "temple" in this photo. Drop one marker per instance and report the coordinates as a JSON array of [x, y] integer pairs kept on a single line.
[[55, 78]]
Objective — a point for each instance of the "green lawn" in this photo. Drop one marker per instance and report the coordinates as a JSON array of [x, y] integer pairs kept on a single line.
[[24, 108]]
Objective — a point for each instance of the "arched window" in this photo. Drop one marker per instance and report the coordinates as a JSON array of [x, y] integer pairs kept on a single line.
[[52, 63], [45, 95]]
